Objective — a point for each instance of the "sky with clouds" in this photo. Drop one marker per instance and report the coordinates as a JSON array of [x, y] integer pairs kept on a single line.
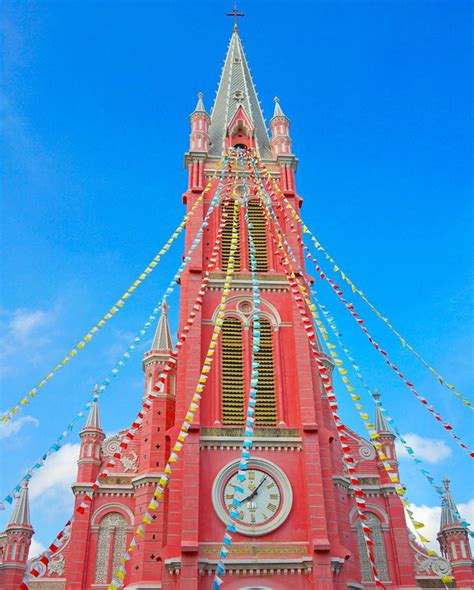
[[95, 113]]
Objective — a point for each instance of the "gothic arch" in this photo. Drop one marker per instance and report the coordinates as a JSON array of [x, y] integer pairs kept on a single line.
[[112, 507], [271, 313], [373, 508]]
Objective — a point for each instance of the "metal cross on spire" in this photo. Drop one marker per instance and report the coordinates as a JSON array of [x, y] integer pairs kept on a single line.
[[235, 13]]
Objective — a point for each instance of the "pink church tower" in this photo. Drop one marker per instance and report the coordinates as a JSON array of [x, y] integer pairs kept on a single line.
[[453, 538], [15, 544], [303, 531]]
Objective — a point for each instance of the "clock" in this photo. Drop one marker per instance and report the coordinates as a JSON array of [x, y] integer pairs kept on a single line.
[[265, 503]]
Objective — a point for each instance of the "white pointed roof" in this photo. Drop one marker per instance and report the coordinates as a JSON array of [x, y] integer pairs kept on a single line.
[[21, 511], [200, 105], [278, 112], [449, 511], [162, 339], [236, 88], [93, 419], [381, 424]]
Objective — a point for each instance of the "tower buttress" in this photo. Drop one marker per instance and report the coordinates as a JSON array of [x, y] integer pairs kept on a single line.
[[154, 450], [453, 538], [16, 544], [198, 145], [282, 148], [386, 437], [92, 437]]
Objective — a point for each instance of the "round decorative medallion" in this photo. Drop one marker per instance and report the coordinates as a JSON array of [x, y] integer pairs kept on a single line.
[[245, 307], [367, 452], [266, 501]]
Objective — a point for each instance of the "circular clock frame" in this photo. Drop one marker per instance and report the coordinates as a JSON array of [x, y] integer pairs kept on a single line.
[[276, 473]]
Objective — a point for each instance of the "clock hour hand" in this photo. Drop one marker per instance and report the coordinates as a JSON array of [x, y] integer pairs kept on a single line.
[[254, 493]]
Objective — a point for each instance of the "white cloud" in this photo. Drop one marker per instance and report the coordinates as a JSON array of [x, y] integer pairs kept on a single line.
[[51, 486], [13, 426], [431, 450], [430, 516], [35, 549], [22, 328]]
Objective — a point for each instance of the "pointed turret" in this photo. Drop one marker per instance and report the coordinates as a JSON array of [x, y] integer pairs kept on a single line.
[[381, 424], [93, 419], [449, 511], [21, 512], [453, 539], [92, 437], [15, 543], [200, 105], [162, 340], [278, 112], [236, 89]]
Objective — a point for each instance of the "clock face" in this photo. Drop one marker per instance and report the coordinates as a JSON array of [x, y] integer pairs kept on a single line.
[[265, 502], [261, 499]]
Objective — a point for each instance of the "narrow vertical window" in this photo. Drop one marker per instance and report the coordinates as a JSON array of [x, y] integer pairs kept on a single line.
[[226, 238], [259, 234], [266, 407], [379, 550], [110, 547], [232, 372]]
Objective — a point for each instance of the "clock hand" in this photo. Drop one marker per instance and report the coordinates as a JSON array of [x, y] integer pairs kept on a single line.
[[254, 493]]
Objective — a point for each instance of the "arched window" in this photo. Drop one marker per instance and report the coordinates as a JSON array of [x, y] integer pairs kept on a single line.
[[226, 238], [266, 407], [110, 546], [259, 234], [454, 552], [21, 555], [379, 549], [232, 372], [13, 553]]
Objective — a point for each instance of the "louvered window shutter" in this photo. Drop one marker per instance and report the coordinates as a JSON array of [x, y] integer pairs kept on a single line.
[[259, 234], [266, 406], [232, 372]]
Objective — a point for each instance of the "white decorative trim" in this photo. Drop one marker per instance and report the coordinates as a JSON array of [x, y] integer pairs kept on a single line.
[[121, 508], [234, 443], [285, 487]]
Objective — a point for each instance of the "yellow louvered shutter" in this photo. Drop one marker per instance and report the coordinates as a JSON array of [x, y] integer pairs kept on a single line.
[[226, 238], [266, 406], [232, 372], [259, 234]]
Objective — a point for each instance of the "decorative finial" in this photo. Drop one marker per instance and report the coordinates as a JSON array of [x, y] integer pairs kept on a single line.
[[276, 99], [236, 15], [164, 305], [446, 482], [200, 95], [376, 395]]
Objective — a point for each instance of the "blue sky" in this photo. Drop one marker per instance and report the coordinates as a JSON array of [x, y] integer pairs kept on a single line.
[[95, 113]]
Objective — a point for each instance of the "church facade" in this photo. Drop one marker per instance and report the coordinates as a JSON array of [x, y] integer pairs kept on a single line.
[[301, 529]]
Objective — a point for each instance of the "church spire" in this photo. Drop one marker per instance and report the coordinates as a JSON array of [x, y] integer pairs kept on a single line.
[[162, 339], [200, 105], [21, 512], [278, 111], [236, 88], [449, 511], [381, 424], [93, 419]]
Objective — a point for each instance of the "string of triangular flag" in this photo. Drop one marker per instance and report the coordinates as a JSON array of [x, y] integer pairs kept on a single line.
[[46, 556], [245, 456], [119, 304], [371, 430], [119, 576], [350, 307], [139, 336], [301, 302], [377, 401], [273, 188]]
